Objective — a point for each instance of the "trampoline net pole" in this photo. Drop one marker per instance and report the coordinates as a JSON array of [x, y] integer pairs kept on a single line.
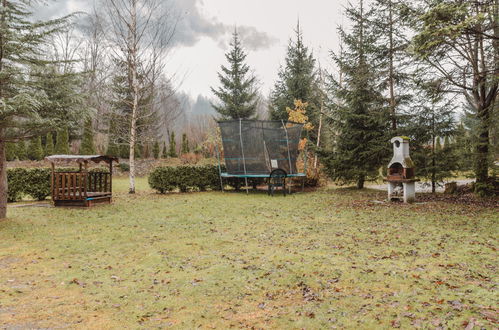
[[219, 168], [287, 144], [242, 152]]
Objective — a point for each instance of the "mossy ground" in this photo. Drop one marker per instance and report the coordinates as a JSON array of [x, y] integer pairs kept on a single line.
[[330, 258]]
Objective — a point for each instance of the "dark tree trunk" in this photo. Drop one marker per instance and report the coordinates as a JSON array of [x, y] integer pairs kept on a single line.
[[482, 150], [360, 182], [3, 179]]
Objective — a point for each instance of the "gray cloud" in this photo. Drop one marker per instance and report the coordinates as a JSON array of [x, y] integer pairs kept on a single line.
[[192, 24]]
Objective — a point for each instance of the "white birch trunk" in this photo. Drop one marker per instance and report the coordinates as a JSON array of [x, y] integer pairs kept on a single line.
[[135, 88]]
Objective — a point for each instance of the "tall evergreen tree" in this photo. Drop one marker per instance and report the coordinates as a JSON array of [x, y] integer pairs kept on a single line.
[[113, 149], [459, 41], [238, 92], [62, 142], [185, 144], [173, 146], [87, 142], [155, 150], [10, 151], [164, 154], [35, 150], [393, 60], [432, 120], [22, 114], [21, 152], [296, 81], [357, 115], [464, 147], [49, 144]]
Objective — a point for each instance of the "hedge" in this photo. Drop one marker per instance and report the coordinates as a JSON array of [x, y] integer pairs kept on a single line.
[[193, 178], [184, 178], [34, 182], [28, 181]]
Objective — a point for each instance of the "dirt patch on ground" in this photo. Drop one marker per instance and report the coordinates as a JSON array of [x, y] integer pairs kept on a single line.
[[465, 199]]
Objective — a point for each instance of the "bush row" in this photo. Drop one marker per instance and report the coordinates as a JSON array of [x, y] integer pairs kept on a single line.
[[193, 178], [34, 182], [184, 178]]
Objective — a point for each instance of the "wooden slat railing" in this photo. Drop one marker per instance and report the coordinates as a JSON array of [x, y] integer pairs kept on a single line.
[[69, 185], [76, 185], [99, 182]]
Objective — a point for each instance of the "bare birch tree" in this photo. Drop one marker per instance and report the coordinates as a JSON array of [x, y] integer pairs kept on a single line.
[[141, 32]]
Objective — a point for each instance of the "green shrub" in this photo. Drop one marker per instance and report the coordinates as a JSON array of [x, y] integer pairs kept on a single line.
[[38, 183], [124, 167], [184, 178], [34, 182]]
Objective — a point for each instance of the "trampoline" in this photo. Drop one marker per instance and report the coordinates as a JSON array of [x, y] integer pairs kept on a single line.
[[253, 148]]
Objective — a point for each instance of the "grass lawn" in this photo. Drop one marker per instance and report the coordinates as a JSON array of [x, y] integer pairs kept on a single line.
[[331, 258]]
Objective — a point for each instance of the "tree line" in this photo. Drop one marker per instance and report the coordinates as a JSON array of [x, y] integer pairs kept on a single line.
[[426, 69]]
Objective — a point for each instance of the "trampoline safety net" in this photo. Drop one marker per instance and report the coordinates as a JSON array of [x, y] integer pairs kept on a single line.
[[253, 147]]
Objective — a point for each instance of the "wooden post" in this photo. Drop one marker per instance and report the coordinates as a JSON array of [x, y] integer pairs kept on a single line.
[[111, 176], [52, 178], [86, 179]]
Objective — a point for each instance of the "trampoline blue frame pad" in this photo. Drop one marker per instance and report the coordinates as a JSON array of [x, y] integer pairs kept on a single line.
[[228, 175]]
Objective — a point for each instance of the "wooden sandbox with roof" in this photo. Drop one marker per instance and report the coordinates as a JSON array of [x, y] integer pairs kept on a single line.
[[81, 187]]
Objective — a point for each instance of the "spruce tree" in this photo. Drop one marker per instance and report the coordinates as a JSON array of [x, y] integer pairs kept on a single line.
[[185, 144], [10, 151], [390, 19], [62, 142], [464, 147], [21, 152], [432, 119], [459, 41], [49, 144], [155, 150], [87, 142], [35, 150], [297, 80], [23, 113], [113, 149], [164, 154], [172, 152], [238, 92], [357, 115]]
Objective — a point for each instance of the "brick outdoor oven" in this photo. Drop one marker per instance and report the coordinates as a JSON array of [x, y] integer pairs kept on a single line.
[[401, 181]]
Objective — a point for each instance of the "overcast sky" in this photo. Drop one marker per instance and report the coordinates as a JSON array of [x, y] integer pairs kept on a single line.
[[265, 25]]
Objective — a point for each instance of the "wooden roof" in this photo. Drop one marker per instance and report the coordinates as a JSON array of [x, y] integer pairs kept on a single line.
[[80, 158]]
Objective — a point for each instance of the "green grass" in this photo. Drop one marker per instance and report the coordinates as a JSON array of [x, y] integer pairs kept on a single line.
[[331, 258]]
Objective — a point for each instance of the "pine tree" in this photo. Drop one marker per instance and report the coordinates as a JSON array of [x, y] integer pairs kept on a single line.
[[164, 154], [155, 150], [296, 81], [173, 146], [185, 144], [21, 150], [464, 148], [238, 91], [113, 149], [35, 150], [10, 151], [459, 41], [357, 116], [23, 113], [432, 119], [87, 143], [49, 145], [62, 142], [393, 60]]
